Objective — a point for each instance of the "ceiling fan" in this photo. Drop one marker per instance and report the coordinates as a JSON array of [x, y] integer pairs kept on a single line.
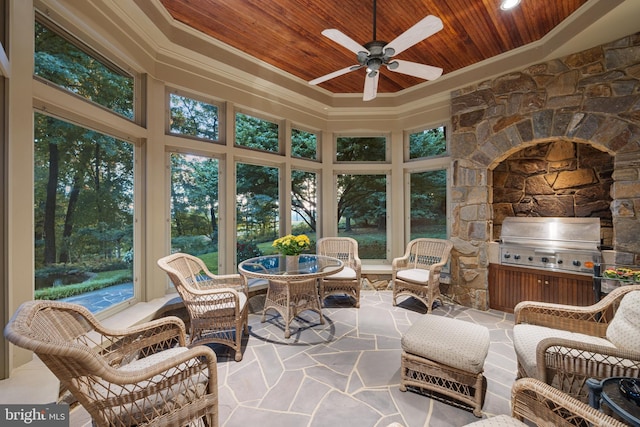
[[377, 53]]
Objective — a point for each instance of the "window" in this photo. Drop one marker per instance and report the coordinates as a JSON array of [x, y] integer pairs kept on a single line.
[[304, 202], [71, 67], [257, 209], [362, 213], [194, 207], [428, 143], [361, 149], [195, 118], [252, 132], [428, 204], [304, 144], [83, 214]]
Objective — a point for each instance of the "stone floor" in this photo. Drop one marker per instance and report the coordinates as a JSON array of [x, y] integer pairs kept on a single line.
[[347, 371]]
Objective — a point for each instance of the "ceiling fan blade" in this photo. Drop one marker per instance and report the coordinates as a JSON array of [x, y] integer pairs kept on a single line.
[[332, 75], [370, 87], [422, 71], [420, 31], [344, 40]]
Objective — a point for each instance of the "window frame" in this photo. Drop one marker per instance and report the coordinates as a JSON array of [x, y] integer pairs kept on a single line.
[[387, 148], [111, 63], [220, 104], [407, 142]]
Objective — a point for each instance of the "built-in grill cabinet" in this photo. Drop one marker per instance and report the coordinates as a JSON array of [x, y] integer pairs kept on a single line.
[[545, 259]]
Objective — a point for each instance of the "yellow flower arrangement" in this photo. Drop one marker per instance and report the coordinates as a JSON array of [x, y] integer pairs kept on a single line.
[[292, 245]]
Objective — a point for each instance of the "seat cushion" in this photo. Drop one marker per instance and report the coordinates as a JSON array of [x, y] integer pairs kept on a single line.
[[164, 400], [499, 421], [346, 273], [418, 275], [624, 329], [526, 339], [451, 342]]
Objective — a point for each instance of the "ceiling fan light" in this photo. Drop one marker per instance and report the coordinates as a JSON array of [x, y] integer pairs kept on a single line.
[[509, 4]]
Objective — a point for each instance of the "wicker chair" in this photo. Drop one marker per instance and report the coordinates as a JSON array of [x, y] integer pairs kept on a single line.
[[144, 375], [564, 345], [543, 405], [417, 273], [346, 281], [217, 305]]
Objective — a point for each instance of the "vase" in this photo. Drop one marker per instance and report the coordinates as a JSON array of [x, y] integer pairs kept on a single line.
[[292, 263]]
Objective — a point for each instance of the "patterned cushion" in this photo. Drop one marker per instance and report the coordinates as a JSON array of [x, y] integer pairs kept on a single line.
[[499, 421], [526, 339], [624, 329], [414, 275], [344, 274], [452, 342]]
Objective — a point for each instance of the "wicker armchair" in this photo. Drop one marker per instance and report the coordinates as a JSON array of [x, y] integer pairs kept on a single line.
[[144, 375], [346, 281], [564, 345], [217, 305], [417, 273], [543, 405]]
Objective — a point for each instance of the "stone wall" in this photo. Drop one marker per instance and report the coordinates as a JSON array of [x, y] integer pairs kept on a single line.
[[591, 97], [555, 179]]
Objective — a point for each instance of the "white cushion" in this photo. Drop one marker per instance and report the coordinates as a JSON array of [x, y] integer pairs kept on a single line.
[[344, 274], [414, 275], [451, 342], [498, 421], [526, 339], [624, 329]]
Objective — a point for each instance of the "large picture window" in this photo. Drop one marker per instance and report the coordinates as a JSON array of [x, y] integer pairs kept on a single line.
[[71, 67], [194, 207], [362, 213], [257, 209], [83, 192], [429, 204], [304, 203]]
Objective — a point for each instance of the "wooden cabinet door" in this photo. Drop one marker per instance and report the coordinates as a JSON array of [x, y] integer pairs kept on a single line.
[[509, 285]]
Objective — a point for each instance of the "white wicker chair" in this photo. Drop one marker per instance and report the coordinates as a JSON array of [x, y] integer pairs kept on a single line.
[[347, 281], [417, 273], [217, 304]]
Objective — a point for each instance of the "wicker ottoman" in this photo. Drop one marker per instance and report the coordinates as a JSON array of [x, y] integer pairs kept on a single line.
[[446, 356]]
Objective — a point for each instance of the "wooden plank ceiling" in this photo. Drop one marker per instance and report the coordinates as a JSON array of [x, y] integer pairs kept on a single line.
[[287, 33]]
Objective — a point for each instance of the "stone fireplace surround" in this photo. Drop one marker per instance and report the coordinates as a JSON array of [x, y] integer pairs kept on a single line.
[[590, 97]]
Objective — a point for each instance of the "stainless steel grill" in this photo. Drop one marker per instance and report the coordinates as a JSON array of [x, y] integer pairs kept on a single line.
[[557, 244]]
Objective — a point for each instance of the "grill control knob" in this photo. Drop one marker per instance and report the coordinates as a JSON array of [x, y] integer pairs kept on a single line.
[[516, 257], [530, 258], [507, 256], [576, 263], [544, 259], [560, 261]]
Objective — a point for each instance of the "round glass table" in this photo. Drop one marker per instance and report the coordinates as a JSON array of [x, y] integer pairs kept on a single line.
[[607, 396], [292, 282]]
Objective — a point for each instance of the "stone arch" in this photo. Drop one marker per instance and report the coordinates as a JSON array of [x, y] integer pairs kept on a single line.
[[590, 97]]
